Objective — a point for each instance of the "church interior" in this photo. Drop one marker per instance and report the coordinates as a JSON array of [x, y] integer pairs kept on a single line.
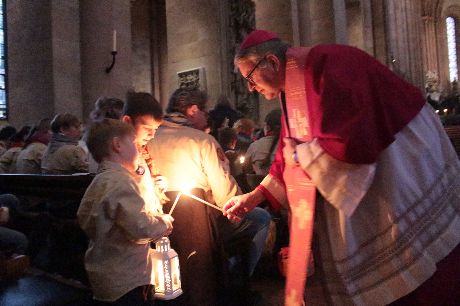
[[60, 56]]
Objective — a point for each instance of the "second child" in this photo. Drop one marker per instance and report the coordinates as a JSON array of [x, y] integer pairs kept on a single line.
[[115, 217]]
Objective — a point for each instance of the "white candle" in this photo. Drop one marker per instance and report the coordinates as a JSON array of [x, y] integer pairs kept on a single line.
[[175, 203], [114, 41], [203, 201]]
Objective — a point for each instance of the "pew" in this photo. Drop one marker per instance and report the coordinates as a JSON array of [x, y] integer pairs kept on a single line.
[[56, 242], [454, 135], [46, 186]]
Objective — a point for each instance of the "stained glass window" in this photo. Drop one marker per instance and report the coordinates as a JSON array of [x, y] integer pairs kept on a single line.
[[3, 102], [452, 48]]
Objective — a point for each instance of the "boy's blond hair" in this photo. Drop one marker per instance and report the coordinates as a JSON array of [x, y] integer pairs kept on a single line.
[[100, 134]]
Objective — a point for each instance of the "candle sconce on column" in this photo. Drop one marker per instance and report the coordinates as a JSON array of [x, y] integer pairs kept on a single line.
[[114, 54]]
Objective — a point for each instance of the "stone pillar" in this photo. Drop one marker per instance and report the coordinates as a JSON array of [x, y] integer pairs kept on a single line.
[[275, 16], [368, 35], [141, 59], [340, 21], [66, 68], [98, 20], [379, 30], [159, 50], [301, 28], [404, 36], [30, 81], [429, 49]]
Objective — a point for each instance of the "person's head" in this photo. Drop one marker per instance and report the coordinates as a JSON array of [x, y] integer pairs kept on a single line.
[[192, 104], [6, 132], [245, 126], [21, 135], [261, 60], [113, 140], [144, 113], [272, 122], [227, 138], [66, 124], [44, 125], [105, 107]]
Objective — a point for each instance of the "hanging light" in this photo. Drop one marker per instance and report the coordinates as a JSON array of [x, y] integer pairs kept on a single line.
[[167, 272]]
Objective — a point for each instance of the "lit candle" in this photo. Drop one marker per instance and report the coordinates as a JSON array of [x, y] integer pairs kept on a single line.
[[114, 41], [175, 203], [185, 190], [242, 159], [203, 201]]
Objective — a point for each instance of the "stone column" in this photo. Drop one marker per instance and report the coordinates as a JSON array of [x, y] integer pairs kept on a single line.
[[141, 54], [65, 31], [275, 16], [30, 73], [301, 27], [429, 49], [379, 30], [340, 22], [368, 34], [403, 39]]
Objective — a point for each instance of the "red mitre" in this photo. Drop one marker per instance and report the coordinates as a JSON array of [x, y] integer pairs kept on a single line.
[[257, 37]]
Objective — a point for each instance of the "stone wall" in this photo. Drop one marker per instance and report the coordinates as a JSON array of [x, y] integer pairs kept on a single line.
[[193, 42]]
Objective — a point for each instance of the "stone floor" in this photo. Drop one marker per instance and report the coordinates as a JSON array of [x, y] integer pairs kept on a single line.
[[38, 288]]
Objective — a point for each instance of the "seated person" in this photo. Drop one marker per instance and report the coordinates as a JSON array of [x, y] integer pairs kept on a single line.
[[63, 155], [117, 220], [261, 153], [227, 139], [185, 154], [11, 241], [8, 159], [104, 107], [245, 128], [5, 134], [29, 159]]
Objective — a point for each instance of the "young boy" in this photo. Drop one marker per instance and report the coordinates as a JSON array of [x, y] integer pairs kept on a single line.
[[115, 217], [145, 114]]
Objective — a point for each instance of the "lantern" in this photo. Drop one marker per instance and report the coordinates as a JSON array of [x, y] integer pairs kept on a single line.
[[167, 273]]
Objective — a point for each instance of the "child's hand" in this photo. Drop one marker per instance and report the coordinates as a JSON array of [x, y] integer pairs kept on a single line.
[[161, 181], [168, 220]]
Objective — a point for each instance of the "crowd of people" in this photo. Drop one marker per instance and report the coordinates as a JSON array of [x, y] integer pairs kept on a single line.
[[154, 169], [383, 171]]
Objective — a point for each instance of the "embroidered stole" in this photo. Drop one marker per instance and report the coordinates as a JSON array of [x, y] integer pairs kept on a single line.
[[299, 188]]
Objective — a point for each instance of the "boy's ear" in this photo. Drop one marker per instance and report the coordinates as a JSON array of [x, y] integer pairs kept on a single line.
[[192, 110], [116, 145], [127, 119]]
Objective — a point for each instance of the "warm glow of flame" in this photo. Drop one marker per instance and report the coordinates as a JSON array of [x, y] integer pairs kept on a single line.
[[185, 187], [445, 110], [242, 159], [437, 111]]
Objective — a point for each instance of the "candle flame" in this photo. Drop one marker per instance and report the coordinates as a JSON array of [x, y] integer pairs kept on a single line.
[[185, 187], [242, 159]]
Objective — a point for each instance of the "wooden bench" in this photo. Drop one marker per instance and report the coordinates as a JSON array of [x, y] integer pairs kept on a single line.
[[46, 186], [56, 235], [454, 134]]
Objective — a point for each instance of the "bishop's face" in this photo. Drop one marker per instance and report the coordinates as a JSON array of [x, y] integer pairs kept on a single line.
[[264, 75]]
